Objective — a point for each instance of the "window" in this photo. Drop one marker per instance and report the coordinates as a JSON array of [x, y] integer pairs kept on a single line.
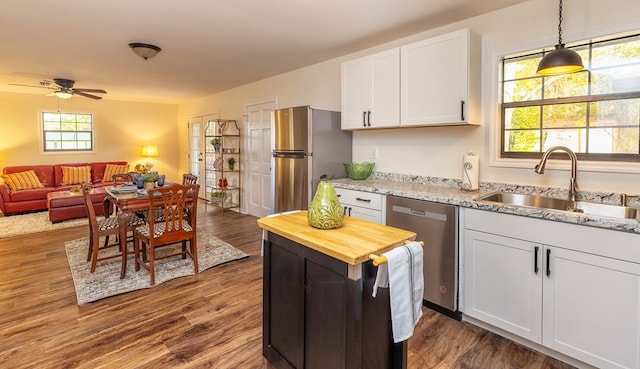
[[595, 112], [67, 132]]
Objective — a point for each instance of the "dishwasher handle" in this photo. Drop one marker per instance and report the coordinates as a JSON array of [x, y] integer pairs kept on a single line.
[[419, 213]]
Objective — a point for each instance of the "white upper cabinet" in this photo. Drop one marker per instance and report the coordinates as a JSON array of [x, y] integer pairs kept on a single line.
[[371, 91], [440, 80], [431, 82]]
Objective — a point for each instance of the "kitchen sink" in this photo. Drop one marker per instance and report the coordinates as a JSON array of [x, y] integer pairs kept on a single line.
[[544, 202]]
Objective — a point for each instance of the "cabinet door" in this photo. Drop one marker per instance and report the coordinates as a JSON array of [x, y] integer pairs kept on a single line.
[[284, 304], [371, 91], [325, 313], [501, 286], [592, 308], [434, 80], [356, 89], [385, 89]]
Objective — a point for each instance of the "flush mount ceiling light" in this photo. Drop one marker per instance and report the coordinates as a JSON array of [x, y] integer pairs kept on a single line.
[[560, 60], [144, 51]]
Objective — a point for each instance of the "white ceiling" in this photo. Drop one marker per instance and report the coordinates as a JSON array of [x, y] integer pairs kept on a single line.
[[208, 46]]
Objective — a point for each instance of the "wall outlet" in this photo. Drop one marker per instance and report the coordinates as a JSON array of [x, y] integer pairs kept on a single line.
[[374, 153]]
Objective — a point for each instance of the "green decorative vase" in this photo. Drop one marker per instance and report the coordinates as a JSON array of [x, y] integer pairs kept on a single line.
[[325, 211]]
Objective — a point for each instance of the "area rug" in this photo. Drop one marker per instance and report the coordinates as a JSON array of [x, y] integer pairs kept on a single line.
[[106, 280], [18, 225]]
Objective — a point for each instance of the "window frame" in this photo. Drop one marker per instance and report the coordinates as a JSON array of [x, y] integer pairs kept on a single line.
[[588, 98], [42, 134]]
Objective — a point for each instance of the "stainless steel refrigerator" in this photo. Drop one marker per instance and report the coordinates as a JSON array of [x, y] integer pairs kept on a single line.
[[306, 144]]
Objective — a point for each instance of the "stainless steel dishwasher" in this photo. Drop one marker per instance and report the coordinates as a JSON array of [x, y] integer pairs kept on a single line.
[[437, 225]]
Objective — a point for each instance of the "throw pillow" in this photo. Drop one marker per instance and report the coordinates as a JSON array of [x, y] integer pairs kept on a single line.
[[76, 175], [112, 169], [22, 180]]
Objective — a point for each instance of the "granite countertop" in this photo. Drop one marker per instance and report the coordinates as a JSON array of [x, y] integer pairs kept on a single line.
[[448, 191]]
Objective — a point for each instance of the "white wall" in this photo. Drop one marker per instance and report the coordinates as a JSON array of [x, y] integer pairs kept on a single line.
[[438, 151], [120, 128]]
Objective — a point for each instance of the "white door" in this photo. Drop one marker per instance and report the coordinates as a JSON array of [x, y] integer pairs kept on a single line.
[[195, 150], [258, 190]]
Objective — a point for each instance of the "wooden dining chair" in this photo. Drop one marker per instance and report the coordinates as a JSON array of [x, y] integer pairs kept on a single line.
[[175, 226], [189, 179], [103, 228], [122, 178]]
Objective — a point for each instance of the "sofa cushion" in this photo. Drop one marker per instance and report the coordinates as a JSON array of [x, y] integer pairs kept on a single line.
[[22, 180], [111, 169], [76, 175], [44, 172], [57, 171], [30, 195], [98, 168]]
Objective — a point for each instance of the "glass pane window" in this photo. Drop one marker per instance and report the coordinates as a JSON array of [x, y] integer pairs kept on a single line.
[[595, 112], [67, 132]]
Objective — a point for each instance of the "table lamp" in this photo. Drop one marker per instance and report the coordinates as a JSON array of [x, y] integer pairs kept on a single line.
[[149, 151]]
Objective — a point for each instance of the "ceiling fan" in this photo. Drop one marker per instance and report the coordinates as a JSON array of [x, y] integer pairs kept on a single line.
[[64, 88]]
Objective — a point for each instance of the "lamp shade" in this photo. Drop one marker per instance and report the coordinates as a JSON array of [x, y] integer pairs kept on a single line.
[[560, 61], [149, 151]]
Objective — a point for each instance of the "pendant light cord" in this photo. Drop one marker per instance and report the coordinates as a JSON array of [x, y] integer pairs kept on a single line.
[[560, 26]]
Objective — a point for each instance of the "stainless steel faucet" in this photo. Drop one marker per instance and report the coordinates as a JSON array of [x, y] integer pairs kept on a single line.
[[573, 186]]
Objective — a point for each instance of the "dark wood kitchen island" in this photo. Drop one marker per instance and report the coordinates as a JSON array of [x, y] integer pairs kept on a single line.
[[318, 312]]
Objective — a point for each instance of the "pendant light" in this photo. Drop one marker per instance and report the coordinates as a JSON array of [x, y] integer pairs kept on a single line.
[[560, 60]]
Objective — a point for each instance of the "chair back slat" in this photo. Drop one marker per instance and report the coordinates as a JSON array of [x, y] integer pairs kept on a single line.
[[170, 218], [91, 212], [121, 178], [189, 179]]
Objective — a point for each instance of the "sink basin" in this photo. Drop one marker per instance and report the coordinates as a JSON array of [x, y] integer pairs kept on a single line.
[[543, 202]]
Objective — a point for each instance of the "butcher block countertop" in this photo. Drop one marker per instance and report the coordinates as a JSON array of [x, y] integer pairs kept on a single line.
[[351, 243]]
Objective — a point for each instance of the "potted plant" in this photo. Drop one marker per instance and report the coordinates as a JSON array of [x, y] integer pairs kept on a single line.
[[232, 162], [216, 196], [149, 180], [216, 141]]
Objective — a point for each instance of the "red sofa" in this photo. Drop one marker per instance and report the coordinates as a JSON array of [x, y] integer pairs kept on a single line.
[[15, 202]]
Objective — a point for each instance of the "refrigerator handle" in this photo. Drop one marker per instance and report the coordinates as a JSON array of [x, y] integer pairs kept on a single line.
[[364, 118], [290, 155], [369, 118]]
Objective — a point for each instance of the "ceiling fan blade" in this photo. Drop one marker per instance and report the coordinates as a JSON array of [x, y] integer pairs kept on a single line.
[[76, 92], [17, 84], [94, 90]]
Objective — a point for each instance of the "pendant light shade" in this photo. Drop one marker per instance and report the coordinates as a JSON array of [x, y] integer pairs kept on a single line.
[[560, 60]]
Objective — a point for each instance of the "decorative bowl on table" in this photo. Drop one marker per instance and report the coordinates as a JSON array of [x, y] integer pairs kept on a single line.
[[359, 171]]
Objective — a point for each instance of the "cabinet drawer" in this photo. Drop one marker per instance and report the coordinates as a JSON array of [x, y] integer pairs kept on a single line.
[[366, 214], [359, 198]]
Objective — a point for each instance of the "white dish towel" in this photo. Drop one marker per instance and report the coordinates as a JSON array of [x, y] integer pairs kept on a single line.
[[404, 277]]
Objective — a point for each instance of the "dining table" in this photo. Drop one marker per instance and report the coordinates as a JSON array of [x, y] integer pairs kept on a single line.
[[127, 200]]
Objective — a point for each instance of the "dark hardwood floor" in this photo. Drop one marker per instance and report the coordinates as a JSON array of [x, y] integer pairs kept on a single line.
[[212, 320]]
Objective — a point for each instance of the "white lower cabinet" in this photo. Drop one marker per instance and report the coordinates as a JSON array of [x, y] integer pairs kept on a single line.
[[501, 287], [573, 289], [363, 205]]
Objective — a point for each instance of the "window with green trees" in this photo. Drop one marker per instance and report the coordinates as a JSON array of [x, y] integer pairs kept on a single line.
[[595, 112], [67, 132]]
